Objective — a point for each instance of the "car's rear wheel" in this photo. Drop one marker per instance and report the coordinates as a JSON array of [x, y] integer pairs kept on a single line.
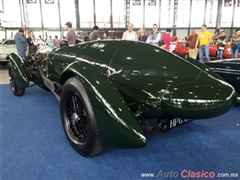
[[78, 119], [14, 87]]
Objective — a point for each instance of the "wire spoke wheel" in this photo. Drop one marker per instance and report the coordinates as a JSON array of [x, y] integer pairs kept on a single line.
[[78, 119]]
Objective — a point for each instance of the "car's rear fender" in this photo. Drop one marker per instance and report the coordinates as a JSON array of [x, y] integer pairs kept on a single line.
[[117, 126], [17, 67]]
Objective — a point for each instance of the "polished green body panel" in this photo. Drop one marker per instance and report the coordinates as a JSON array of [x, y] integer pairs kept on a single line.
[[229, 70], [19, 70], [116, 124], [127, 81], [59, 59], [178, 86]]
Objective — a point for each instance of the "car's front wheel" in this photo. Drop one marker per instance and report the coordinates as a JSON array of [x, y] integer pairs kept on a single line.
[[78, 119], [14, 87]]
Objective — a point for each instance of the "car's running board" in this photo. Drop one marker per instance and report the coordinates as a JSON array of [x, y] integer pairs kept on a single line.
[[48, 83]]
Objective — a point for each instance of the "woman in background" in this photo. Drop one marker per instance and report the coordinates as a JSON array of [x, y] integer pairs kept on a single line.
[[221, 42], [235, 44], [32, 46], [142, 35], [50, 41], [215, 37], [56, 41], [106, 35]]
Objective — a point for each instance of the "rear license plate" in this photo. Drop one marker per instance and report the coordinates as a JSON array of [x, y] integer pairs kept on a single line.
[[177, 122]]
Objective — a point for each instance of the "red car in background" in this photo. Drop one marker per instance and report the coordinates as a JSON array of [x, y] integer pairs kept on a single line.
[[182, 48], [227, 52], [213, 50]]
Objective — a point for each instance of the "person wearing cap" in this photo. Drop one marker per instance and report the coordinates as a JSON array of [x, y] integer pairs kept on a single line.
[[21, 43], [71, 35], [94, 35], [167, 39]]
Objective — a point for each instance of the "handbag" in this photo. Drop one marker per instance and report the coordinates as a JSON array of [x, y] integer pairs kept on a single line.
[[221, 48]]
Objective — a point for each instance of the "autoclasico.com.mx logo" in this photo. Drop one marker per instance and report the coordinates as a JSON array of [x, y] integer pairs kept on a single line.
[[188, 174]]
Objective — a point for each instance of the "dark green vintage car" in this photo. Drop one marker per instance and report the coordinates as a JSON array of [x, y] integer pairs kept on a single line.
[[110, 91]]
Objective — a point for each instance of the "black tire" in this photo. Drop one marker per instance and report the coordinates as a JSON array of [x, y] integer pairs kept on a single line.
[[15, 89], [78, 119]]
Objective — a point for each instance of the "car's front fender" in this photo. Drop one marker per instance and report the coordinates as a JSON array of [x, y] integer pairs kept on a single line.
[[117, 126], [19, 70]]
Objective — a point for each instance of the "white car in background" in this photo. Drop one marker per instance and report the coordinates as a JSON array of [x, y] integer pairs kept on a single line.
[[6, 47]]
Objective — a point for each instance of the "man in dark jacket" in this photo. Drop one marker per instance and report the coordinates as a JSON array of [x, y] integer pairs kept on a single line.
[[20, 41]]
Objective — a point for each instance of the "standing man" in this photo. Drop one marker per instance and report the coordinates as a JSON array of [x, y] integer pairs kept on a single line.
[[192, 39], [155, 36], [21, 43], [130, 34], [94, 35], [71, 35], [204, 38]]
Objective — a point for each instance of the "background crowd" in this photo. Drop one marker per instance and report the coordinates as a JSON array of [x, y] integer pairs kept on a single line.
[[31, 44], [198, 43]]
